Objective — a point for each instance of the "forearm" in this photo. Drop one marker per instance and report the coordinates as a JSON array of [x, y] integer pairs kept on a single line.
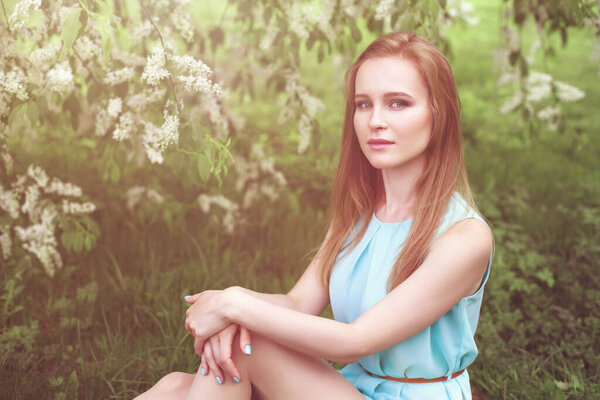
[[306, 333], [278, 299]]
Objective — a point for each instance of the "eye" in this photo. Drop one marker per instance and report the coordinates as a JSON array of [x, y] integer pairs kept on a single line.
[[363, 104], [398, 104]]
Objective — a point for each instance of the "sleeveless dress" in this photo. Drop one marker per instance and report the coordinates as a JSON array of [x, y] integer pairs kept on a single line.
[[359, 280]]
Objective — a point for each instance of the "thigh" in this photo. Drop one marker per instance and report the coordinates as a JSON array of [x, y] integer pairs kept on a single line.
[[280, 373]]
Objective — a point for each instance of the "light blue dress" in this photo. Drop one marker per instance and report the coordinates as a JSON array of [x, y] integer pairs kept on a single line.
[[359, 280]]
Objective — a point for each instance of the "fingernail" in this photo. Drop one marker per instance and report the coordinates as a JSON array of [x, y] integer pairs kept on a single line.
[[202, 371], [187, 297], [219, 381], [235, 378], [248, 349]]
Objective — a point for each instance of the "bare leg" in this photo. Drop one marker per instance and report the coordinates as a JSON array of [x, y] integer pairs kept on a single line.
[[272, 372], [173, 386]]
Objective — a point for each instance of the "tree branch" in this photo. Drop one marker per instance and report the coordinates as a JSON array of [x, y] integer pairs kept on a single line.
[[170, 80]]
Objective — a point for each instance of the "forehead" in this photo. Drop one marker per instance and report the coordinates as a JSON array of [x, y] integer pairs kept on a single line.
[[389, 74]]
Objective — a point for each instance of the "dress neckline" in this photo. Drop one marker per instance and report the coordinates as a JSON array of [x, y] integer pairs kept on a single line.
[[390, 223]]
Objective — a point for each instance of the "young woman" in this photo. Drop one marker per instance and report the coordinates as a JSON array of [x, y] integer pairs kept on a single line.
[[404, 262]]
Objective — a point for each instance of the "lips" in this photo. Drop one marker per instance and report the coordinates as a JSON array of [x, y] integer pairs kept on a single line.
[[379, 141], [379, 144]]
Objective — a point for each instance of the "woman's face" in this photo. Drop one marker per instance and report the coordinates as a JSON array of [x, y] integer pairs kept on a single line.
[[393, 118]]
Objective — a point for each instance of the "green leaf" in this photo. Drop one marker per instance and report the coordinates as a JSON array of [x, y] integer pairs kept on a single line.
[[562, 385], [204, 167], [105, 33], [70, 28], [42, 105], [32, 111], [115, 173], [356, 35]]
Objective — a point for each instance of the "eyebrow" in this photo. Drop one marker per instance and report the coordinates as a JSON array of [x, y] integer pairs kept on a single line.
[[385, 95]]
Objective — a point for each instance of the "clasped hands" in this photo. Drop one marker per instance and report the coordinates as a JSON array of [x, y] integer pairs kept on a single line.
[[214, 332]]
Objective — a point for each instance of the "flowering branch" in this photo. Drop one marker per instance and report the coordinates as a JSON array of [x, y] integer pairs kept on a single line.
[[5, 17], [149, 16], [87, 68]]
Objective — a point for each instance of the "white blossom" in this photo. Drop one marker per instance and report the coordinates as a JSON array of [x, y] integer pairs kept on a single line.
[[509, 105], [87, 47], [183, 24], [304, 131], [39, 240], [127, 58], [63, 188], [231, 208], [124, 127], [5, 241], [71, 207], [566, 92], [267, 40], [548, 113], [22, 12], [44, 57], [115, 106], [9, 202], [156, 140], [7, 160], [60, 78], [155, 70], [103, 122], [141, 31], [383, 9], [136, 193], [204, 202], [119, 76], [13, 82], [211, 105], [197, 75], [296, 19], [138, 102], [38, 175], [32, 197]]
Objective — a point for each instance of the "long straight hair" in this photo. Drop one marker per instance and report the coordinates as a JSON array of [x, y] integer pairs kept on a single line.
[[358, 186]]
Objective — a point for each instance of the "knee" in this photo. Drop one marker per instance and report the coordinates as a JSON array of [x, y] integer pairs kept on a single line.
[[173, 382]]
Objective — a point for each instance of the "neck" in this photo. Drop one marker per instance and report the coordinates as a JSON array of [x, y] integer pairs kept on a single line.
[[400, 193]]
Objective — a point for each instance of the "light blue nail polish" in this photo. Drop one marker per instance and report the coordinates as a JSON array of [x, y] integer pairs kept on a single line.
[[219, 381], [235, 378], [187, 297], [202, 371], [248, 349]]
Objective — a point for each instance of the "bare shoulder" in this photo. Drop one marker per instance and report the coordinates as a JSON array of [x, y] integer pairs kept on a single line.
[[473, 233], [470, 239], [464, 250]]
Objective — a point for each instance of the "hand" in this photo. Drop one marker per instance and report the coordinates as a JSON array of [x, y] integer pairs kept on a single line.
[[216, 355], [205, 317]]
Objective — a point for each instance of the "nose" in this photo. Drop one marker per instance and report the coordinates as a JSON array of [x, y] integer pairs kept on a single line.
[[376, 120]]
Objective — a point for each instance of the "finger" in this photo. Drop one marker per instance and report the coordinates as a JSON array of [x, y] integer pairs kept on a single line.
[[212, 365], [191, 299], [198, 347], [245, 342], [225, 361]]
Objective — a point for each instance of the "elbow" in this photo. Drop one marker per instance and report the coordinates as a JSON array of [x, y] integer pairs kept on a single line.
[[355, 347]]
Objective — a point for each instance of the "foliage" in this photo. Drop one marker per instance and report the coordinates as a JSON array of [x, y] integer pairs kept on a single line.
[[537, 95], [121, 119]]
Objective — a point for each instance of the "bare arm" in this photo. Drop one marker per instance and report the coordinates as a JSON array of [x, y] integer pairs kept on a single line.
[[452, 270]]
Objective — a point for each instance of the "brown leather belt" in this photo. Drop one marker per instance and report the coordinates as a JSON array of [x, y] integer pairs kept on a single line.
[[416, 380]]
